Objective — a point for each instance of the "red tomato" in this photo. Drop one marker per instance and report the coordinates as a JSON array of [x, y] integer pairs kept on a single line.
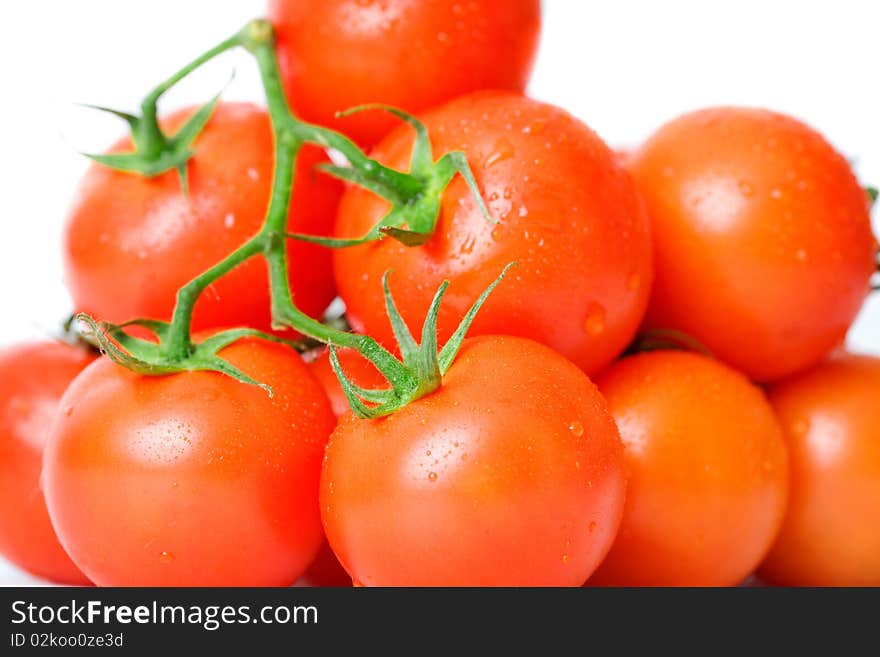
[[131, 242], [763, 244], [707, 472], [192, 479], [413, 54], [32, 379], [569, 215], [831, 419], [511, 473], [357, 368]]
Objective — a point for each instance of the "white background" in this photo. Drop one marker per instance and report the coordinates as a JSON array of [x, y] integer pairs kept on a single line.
[[623, 67]]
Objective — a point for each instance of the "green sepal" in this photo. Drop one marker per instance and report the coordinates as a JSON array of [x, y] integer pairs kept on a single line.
[[413, 216], [423, 365], [149, 358], [155, 153], [872, 193]]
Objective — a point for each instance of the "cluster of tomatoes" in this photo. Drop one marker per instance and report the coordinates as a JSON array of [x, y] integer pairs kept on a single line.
[[548, 456]]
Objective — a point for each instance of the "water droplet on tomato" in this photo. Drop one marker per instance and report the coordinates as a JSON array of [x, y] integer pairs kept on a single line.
[[776, 193], [432, 476], [591, 527], [166, 557], [503, 151], [565, 558], [535, 127], [576, 428], [594, 322]]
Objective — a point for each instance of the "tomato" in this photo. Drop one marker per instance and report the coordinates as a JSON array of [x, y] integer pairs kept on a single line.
[[511, 473], [131, 241], [707, 472], [763, 244], [33, 377], [413, 54], [831, 419], [569, 215], [191, 479], [356, 367]]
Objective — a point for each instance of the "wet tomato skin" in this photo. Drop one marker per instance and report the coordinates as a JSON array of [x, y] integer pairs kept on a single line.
[[762, 237], [567, 212], [33, 377], [130, 242], [191, 479], [511, 474], [413, 54], [707, 470], [831, 419]]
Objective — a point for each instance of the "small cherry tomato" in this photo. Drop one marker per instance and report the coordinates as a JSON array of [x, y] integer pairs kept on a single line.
[[568, 213], [510, 474], [414, 54], [831, 419], [707, 472], [190, 479], [33, 377], [762, 238]]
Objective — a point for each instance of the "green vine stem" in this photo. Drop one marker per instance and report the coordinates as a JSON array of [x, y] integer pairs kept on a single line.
[[415, 203]]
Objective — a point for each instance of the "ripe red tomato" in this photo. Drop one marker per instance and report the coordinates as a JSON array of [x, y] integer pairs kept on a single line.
[[511, 473], [413, 54], [569, 215], [131, 241], [192, 479], [356, 367], [831, 419], [32, 379], [763, 244], [707, 472]]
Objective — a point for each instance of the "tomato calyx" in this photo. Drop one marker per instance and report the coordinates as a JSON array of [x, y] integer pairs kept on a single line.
[[422, 364], [414, 210], [151, 357], [154, 151]]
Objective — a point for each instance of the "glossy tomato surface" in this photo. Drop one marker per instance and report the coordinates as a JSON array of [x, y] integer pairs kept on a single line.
[[707, 472], [511, 474], [413, 54], [831, 419], [763, 244], [568, 214], [33, 376], [192, 479], [131, 241]]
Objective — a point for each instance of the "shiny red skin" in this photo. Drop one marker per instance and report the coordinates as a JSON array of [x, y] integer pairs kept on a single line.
[[569, 216], [191, 479], [33, 376], [413, 54], [510, 474], [831, 419], [762, 237], [130, 242], [708, 473]]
